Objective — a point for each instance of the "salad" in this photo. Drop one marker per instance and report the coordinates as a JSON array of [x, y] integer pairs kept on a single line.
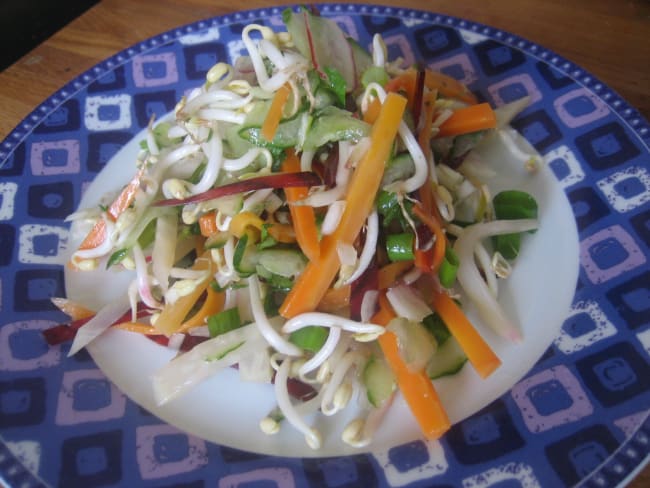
[[315, 215]]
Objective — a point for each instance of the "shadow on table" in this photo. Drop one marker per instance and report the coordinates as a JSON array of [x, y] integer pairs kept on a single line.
[[26, 23]]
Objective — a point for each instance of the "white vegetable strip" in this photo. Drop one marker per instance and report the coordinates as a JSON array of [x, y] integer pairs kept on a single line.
[[144, 281], [274, 339], [102, 320], [369, 247], [414, 149], [470, 279], [329, 320], [164, 247], [407, 303], [202, 361], [332, 217], [249, 156], [349, 360], [312, 436]]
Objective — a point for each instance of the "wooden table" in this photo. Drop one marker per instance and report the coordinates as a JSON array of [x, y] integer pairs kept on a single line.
[[608, 38]]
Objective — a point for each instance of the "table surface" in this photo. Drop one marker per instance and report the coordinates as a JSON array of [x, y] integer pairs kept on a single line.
[[608, 38]]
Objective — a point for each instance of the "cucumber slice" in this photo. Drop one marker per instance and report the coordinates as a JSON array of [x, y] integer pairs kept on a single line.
[[401, 167], [379, 381], [282, 262], [447, 360], [334, 124], [287, 134], [245, 257]]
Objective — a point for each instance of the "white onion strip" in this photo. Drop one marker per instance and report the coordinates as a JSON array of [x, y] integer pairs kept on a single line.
[[407, 303], [470, 278], [329, 320], [369, 247], [312, 436], [102, 320], [266, 329]]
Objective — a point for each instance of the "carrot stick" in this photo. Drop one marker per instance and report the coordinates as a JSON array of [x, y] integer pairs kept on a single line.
[[469, 119], [272, 120], [448, 87], [314, 281], [479, 353], [284, 233], [416, 387], [440, 244], [138, 328], [335, 299], [372, 112], [73, 310], [445, 85], [388, 275], [304, 220], [123, 201]]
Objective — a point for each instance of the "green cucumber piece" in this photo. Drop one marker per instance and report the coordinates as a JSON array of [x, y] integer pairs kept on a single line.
[[282, 262], [379, 381], [334, 124], [447, 360], [245, 257]]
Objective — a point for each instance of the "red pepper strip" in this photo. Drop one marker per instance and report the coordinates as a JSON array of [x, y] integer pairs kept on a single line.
[[278, 180]]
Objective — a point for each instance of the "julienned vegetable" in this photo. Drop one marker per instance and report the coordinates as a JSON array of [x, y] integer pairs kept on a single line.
[[289, 218]]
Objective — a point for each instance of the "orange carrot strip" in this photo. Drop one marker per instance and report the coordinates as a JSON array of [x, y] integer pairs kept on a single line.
[[389, 274], [123, 201], [440, 244], [126, 196], [272, 120], [208, 224], [372, 112], [213, 303], [304, 220], [173, 314], [138, 328], [242, 221], [416, 387], [284, 233], [448, 87], [335, 299], [313, 282], [469, 119], [479, 353], [72, 309], [445, 85]]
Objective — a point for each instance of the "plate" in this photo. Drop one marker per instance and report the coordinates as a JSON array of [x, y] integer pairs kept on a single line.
[[578, 415]]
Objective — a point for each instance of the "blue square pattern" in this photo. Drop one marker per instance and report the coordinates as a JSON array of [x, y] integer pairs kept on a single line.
[[27, 344], [513, 91], [55, 158], [46, 245], [22, 402], [91, 460], [108, 113], [154, 70], [631, 300], [579, 106], [608, 253], [615, 374], [579, 325], [549, 397], [629, 188], [169, 448], [408, 456], [91, 394]]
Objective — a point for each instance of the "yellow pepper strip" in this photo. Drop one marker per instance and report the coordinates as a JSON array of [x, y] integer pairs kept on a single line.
[[213, 303], [173, 314]]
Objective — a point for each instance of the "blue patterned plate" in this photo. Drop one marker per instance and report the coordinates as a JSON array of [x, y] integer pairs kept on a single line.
[[580, 414]]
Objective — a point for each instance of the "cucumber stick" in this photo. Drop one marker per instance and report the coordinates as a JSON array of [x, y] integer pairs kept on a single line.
[[447, 360]]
